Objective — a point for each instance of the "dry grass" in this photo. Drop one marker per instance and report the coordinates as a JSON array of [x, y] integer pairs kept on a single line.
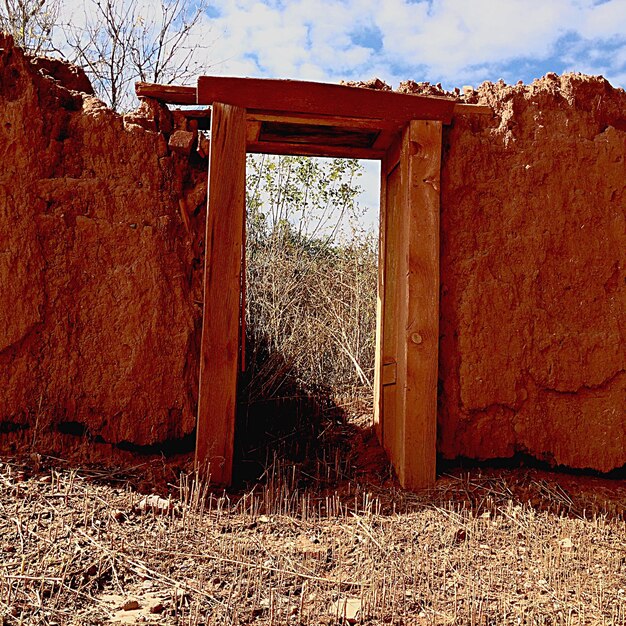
[[497, 547]]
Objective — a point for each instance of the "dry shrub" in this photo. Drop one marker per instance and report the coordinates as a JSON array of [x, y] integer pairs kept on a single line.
[[311, 280]]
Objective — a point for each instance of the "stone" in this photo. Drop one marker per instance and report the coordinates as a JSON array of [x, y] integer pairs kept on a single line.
[[347, 610], [131, 605], [182, 142]]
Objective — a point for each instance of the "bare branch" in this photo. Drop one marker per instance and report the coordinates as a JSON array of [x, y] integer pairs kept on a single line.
[[30, 22], [123, 42]]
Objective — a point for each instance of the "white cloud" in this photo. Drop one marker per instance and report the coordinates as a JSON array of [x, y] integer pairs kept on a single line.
[[453, 41], [456, 42]]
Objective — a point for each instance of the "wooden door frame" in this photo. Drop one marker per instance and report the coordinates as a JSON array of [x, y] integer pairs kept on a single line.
[[416, 157], [314, 119]]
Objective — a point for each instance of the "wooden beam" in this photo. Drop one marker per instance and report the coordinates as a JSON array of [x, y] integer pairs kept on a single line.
[[252, 131], [202, 117], [394, 314], [172, 94], [380, 306], [460, 108], [306, 134], [322, 99], [321, 120], [420, 163], [385, 139], [297, 149], [219, 352]]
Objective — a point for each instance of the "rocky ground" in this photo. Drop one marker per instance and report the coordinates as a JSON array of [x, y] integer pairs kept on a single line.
[[330, 542]]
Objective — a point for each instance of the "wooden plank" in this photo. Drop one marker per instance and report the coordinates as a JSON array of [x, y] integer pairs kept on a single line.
[[380, 307], [392, 337], [282, 132], [271, 147], [322, 120], [202, 117], [172, 94], [421, 165], [385, 139], [252, 131], [219, 352], [322, 99], [392, 156], [460, 108]]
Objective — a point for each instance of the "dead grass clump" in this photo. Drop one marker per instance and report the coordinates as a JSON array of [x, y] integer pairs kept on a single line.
[[311, 280], [76, 549]]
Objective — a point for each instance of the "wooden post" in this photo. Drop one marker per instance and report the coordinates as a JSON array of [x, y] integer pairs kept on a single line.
[[420, 164], [380, 308], [219, 352]]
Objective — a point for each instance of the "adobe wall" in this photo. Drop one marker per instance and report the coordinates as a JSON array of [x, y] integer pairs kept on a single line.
[[100, 269], [99, 300], [533, 293]]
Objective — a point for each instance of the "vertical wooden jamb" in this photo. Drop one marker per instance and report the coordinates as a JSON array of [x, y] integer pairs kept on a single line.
[[219, 352], [380, 307], [421, 167]]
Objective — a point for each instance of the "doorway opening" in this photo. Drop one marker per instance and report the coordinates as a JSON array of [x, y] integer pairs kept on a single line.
[[404, 133], [309, 296]]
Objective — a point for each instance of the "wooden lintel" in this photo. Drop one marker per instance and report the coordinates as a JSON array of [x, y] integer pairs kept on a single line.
[[171, 94], [322, 99], [298, 149], [460, 108]]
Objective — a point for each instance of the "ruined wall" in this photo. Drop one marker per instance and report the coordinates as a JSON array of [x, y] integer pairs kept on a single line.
[[100, 269], [99, 303], [533, 300]]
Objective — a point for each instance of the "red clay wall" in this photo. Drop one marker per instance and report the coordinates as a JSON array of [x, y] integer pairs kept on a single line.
[[98, 320], [533, 238], [100, 280]]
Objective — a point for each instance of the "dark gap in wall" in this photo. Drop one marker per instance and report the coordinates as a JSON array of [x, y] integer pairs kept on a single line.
[[11, 427], [523, 460], [171, 447]]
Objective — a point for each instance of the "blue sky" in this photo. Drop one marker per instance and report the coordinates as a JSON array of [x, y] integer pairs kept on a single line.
[[455, 42]]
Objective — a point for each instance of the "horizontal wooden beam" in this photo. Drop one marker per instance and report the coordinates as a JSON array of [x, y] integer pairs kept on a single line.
[[172, 94], [292, 96], [299, 149], [195, 114], [461, 108], [321, 120]]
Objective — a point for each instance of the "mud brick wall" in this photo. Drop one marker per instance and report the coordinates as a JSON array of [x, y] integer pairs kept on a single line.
[[533, 294], [99, 312], [101, 222]]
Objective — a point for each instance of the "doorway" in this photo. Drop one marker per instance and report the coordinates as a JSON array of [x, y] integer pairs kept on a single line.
[[313, 119], [311, 256]]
